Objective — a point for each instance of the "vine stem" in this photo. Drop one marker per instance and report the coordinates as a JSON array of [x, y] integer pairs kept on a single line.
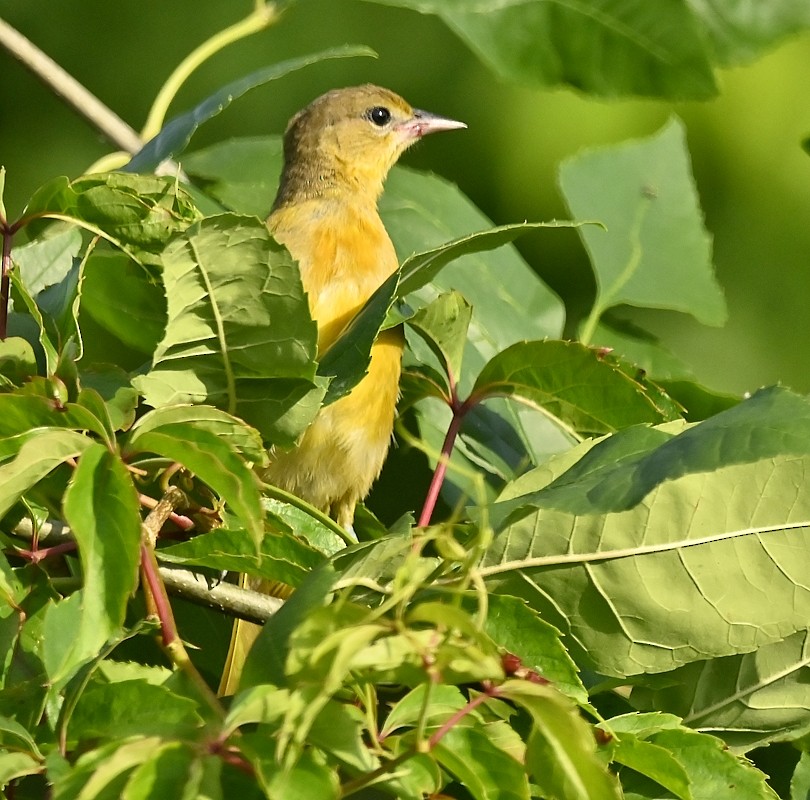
[[460, 410], [69, 89], [262, 16], [157, 598]]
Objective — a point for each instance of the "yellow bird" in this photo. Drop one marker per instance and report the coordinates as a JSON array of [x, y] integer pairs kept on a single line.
[[337, 153]]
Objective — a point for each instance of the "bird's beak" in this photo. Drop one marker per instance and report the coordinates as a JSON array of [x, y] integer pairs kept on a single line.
[[423, 122]]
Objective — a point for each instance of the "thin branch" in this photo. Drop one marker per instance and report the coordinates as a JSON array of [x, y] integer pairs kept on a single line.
[[69, 89], [225, 597]]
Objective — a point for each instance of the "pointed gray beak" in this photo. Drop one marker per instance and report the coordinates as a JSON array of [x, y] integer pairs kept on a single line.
[[423, 122]]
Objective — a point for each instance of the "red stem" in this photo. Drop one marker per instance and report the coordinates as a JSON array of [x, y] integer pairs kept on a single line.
[[168, 631], [459, 412], [183, 522], [490, 690], [40, 554]]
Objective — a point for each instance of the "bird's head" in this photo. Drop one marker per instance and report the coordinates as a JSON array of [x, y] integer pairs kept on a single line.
[[350, 139]]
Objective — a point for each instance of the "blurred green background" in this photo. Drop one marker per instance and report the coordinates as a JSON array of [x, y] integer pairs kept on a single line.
[[752, 176]]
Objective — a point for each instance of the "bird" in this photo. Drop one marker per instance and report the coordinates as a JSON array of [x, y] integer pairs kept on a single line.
[[338, 151]]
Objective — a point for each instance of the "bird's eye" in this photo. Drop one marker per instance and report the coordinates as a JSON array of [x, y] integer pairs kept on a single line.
[[379, 115]]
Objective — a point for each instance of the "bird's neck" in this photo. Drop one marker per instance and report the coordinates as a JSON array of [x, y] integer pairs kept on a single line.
[[334, 183]]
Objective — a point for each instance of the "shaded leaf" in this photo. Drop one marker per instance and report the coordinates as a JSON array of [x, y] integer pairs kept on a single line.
[[281, 557], [604, 47], [177, 133], [561, 751], [655, 251], [581, 389], [101, 507], [48, 259], [800, 782], [749, 699]]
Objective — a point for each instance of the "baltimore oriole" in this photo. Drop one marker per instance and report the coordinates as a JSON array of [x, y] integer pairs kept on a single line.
[[337, 153]]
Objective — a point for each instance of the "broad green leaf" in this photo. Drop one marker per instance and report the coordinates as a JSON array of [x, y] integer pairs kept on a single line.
[[655, 251], [101, 507], [48, 259], [339, 730], [17, 361], [15, 735], [36, 458], [266, 662], [604, 47], [240, 437], [582, 390], [654, 761], [485, 771], [625, 559], [348, 357], [138, 316], [239, 335], [263, 703], [561, 750], [443, 325], [517, 628], [171, 771], [138, 213], [129, 708], [749, 699], [281, 556], [420, 269], [443, 702], [106, 769], [16, 765], [739, 32], [11, 589], [213, 460], [307, 779], [713, 770], [800, 782], [177, 133], [115, 389]]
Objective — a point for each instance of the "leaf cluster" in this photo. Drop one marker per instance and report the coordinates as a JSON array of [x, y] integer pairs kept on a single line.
[[604, 594]]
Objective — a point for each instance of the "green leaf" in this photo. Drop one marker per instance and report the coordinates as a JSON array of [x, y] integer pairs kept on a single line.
[[113, 386], [624, 557], [48, 259], [177, 133], [22, 298], [17, 361], [517, 628], [655, 251], [348, 357], [339, 730], [240, 437], [281, 556], [421, 268], [713, 770], [173, 770], [103, 772], [654, 761], [444, 701], [246, 345], [307, 779], [17, 765], [128, 708], [484, 769], [137, 213], [561, 752], [608, 48], [101, 507], [800, 782], [739, 32], [36, 458], [263, 703], [138, 316], [444, 325], [583, 390], [215, 462], [749, 700]]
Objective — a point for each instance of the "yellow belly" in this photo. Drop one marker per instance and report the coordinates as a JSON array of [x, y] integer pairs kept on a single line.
[[344, 257]]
